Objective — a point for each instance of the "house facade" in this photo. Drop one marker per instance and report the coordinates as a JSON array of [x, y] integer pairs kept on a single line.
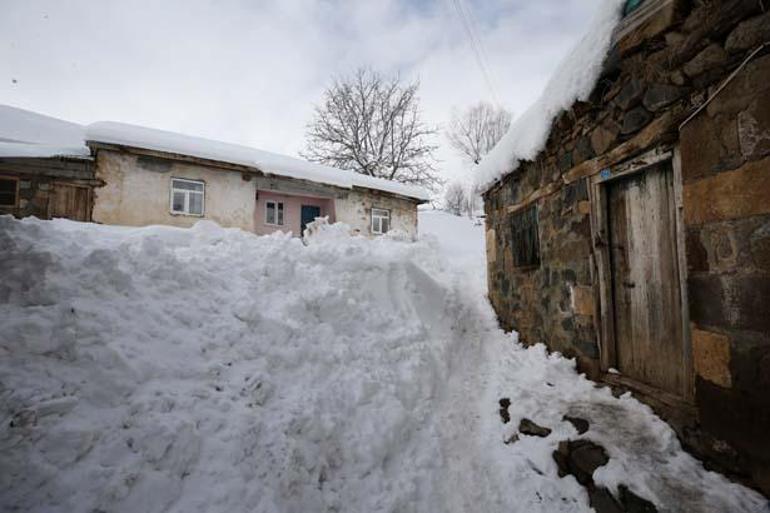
[[638, 240], [47, 187], [135, 176], [155, 177]]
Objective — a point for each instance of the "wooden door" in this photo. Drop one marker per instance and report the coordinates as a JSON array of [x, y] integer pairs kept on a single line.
[[70, 201], [645, 279]]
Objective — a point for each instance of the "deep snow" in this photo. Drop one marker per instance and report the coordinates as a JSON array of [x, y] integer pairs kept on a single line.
[[207, 369]]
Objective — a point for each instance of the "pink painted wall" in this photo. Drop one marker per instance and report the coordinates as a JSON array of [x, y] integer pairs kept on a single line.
[[292, 208]]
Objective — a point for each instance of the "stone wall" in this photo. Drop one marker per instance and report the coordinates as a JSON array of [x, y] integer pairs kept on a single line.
[[726, 185], [654, 79]]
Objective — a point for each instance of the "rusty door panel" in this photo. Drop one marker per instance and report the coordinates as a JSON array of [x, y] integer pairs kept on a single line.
[[645, 279]]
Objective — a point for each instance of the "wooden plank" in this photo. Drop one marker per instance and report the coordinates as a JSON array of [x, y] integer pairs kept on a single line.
[[646, 289], [648, 136], [688, 382], [605, 321]]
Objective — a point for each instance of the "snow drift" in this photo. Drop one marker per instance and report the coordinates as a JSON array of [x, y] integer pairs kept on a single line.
[[208, 369]]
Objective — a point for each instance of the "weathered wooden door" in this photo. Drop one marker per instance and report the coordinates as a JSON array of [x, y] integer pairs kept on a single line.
[[645, 278], [70, 201]]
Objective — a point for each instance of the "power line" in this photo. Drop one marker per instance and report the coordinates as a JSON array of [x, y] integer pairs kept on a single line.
[[468, 22]]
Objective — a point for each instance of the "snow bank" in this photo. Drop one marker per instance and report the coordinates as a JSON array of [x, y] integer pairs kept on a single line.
[[281, 165], [573, 80], [207, 369]]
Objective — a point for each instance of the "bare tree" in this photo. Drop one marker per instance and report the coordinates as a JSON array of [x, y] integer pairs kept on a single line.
[[476, 130], [454, 198], [371, 125]]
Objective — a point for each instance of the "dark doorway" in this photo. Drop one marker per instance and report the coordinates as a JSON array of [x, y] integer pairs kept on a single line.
[[308, 215]]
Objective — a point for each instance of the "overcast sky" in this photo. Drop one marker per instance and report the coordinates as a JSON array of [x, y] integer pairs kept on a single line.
[[250, 71]]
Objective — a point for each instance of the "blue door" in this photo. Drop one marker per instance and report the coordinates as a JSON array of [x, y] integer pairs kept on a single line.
[[309, 213]]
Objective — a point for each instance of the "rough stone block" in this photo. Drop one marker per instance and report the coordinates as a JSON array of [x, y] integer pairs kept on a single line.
[[491, 246], [728, 195], [749, 33], [752, 83], [635, 120], [713, 56], [753, 130], [661, 95], [695, 252], [602, 138], [705, 299], [630, 94], [711, 356], [759, 243]]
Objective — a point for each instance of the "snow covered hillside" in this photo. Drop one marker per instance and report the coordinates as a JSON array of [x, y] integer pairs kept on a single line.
[[208, 369]]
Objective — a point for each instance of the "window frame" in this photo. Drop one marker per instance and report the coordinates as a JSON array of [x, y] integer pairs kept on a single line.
[[517, 251], [16, 192], [275, 209], [187, 193], [379, 231]]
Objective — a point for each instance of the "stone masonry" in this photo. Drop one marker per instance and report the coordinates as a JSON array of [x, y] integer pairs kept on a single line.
[[671, 66]]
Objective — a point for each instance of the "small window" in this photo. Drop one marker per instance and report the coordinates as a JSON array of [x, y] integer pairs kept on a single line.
[[380, 221], [9, 192], [274, 213], [187, 197], [526, 242], [631, 6]]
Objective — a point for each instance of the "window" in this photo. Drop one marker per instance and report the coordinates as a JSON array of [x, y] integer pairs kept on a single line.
[[380, 221], [9, 192], [274, 213], [187, 197], [631, 6], [526, 243]]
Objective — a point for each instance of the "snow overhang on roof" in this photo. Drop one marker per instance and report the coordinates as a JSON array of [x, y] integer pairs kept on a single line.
[[573, 80], [122, 134], [31, 150]]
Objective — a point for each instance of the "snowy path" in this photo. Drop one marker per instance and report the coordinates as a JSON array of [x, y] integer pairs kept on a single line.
[[161, 369]]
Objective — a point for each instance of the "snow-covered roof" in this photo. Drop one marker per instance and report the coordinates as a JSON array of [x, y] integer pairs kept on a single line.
[[573, 80], [27, 134], [24, 126], [31, 150], [272, 163]]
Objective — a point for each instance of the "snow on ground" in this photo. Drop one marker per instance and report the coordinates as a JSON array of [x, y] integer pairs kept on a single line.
[[460, 240], [207, 369]]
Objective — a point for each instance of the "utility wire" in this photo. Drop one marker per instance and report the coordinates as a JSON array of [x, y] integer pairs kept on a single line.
[[468, 22]]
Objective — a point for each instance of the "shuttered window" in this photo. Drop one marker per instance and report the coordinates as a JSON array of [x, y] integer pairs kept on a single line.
[[9, 191], [525, 239]]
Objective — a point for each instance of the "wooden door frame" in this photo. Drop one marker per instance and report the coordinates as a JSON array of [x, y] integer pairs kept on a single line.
[[89, 200], [602, 262]]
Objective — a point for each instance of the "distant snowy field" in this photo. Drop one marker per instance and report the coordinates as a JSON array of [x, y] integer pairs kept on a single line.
[[209, 370]]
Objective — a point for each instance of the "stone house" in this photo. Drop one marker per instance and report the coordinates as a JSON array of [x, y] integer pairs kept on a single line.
[[638, 239], [139, 176]]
